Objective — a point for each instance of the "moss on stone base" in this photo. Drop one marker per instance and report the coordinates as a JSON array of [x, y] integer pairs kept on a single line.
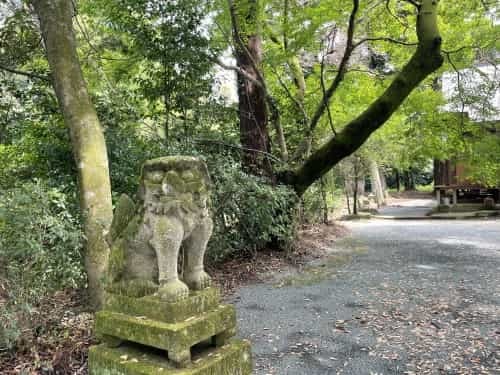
[[154, 308], [231, 359], [132, 289], [167, 336]]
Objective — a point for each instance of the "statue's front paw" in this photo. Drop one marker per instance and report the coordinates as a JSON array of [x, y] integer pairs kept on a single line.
[[173, 291], [198, 281]]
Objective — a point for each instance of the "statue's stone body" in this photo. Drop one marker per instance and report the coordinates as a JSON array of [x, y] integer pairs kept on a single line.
[[147, 302], [146, 237]]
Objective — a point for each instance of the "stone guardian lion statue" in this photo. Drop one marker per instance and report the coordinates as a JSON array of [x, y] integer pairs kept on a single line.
[[146, 237]]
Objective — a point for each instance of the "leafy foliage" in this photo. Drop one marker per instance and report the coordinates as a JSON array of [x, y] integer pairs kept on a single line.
[[249, 214], [40, 251], [159, 48]]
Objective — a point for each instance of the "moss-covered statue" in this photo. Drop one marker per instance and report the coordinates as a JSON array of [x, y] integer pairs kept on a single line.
[[146, 237]]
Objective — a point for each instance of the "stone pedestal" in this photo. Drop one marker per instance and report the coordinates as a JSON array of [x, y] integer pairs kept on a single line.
[[149, 336]]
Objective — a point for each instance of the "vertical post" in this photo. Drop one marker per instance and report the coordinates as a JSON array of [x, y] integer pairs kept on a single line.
[[438, 196]]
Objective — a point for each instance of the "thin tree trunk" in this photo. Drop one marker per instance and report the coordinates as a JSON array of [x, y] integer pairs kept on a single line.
[[383, 182], [398, 181], [89, 147], [376, 183], [304, 149], [406, 180], [323, 197], [275, 118], [355, 196], [347, 197]]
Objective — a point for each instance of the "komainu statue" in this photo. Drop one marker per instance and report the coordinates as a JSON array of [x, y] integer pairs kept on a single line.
[[146, 237]]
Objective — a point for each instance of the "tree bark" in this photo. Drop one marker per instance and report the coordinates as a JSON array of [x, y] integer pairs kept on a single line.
[[398, 180], [254, 133], [324, 200], [426, 59], [355, 195], [346, 191], [377, 188], [89, 147]]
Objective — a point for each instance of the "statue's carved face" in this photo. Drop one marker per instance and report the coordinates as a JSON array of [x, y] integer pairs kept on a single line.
[[186, 188]]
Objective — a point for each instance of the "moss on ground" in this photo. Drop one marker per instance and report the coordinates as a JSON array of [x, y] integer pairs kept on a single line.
[[315, 273]]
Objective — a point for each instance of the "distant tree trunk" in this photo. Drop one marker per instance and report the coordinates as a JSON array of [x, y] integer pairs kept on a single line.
[[376, 183], [89, 147], [324, 200], [346, 191], [408, 180], [383, 182], [355, 196], [254, 134], [398, 181]]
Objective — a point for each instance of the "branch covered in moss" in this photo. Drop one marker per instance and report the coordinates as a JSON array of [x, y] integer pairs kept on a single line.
[[426, 59]]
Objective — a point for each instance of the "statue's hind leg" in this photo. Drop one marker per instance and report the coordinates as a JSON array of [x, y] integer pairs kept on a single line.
[[166, 241], [194, 251]]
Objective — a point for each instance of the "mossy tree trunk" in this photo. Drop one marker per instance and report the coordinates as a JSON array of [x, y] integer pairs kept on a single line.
[[89, 147], [426, 59]]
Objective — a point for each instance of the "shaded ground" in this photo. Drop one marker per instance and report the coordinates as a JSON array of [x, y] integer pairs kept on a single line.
[[397, 297]]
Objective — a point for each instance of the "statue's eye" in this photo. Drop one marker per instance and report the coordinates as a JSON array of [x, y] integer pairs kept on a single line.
[[156, 177]]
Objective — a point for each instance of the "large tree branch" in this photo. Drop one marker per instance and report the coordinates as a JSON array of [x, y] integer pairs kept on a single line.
[[426, 59]]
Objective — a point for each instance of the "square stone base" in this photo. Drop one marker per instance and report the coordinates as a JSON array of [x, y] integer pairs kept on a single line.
[[233, 358], [154, 308], [175, 338]]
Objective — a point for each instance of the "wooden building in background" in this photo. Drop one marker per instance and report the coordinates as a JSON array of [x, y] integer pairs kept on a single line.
[[450, 180]]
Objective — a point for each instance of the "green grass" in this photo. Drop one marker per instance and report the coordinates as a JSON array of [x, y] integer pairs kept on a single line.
[[426, 188]]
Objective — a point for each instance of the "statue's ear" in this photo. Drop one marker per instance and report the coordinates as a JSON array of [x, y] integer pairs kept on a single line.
[[124, 212]]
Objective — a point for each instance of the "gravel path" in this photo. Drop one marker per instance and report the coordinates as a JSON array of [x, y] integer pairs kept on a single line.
[[408, 207], [395, 297]]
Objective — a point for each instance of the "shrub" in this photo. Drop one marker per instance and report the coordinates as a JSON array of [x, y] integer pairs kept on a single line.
[[312, 205], [248, 213], [40, 252]]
